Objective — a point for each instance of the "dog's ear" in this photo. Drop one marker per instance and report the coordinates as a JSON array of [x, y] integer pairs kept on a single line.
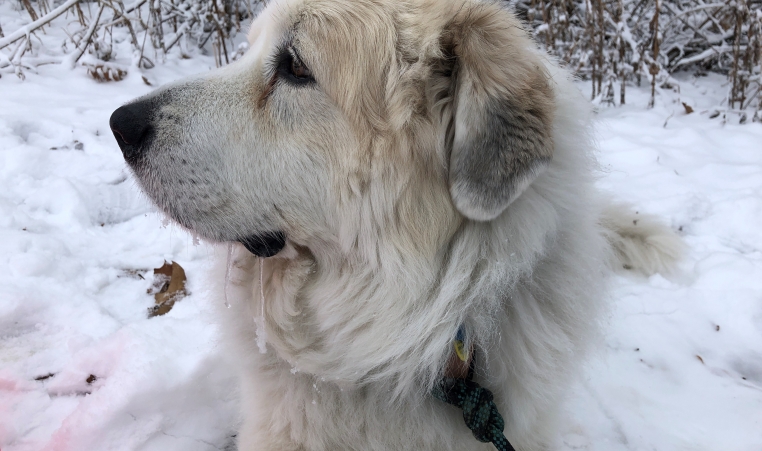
[[499, 129]]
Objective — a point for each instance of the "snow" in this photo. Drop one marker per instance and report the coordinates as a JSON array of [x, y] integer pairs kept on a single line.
[[77, 245], [680, 367], [77, 241]]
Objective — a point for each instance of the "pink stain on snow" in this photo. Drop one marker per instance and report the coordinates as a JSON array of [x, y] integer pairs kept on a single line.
[[9, 382], [60, 440], [7, 385], [95, 409], [11, 391]]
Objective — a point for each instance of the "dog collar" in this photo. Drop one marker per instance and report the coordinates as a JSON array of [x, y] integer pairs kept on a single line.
[[458, 388]]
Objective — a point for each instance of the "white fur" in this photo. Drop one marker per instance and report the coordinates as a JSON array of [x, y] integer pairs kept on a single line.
[[380, 269], [528, 287], [641, 242]]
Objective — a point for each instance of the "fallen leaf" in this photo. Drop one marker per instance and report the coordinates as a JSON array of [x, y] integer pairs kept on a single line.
[[169, 286], [688, 108]]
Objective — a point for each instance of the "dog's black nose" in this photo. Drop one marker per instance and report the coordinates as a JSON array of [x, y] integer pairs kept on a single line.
[[131, 125]]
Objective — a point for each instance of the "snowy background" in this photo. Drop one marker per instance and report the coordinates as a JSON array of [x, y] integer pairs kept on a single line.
[[680, 369]]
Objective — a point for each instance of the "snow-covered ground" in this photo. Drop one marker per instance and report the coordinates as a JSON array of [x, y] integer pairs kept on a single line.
[[681, 367]]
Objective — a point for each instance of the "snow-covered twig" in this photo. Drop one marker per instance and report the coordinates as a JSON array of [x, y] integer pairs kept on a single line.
[[85, 41], [180, 33], [28, 29], [134, 6], [706, 54]]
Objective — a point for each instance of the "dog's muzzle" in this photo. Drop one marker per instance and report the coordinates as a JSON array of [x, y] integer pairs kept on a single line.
[[132, 125]]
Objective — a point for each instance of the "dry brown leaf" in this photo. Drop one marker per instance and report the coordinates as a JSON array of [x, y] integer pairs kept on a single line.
[[688, 108], [169, 280]]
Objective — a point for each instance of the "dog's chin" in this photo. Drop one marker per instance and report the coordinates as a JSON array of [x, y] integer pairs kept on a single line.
[[264, 244]]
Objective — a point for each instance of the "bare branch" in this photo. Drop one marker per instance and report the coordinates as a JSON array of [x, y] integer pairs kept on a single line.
[[25, 31], [85, 41]]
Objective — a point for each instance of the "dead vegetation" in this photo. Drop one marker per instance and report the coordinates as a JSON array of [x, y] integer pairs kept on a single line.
[[611, 43], [614, 43], [153, 27], [105, 72]]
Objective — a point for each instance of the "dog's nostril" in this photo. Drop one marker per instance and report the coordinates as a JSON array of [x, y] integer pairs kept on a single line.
[[130, 125], [118, 134]]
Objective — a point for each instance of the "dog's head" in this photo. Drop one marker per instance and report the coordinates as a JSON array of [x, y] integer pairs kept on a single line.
[[347, 123]]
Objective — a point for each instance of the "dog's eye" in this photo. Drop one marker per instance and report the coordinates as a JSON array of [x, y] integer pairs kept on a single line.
[[299, 70], [293, 69]]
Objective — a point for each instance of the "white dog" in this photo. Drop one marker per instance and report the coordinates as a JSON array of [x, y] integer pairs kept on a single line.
[[400, 177]]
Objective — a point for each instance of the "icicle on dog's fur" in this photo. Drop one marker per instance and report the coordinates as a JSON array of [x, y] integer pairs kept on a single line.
[[260, 320], [228, 270]]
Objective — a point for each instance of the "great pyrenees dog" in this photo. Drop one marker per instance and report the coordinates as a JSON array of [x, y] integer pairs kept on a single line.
[[404, 193]]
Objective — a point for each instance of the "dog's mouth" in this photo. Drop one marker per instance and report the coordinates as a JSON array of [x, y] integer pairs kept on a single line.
[[264, 244]]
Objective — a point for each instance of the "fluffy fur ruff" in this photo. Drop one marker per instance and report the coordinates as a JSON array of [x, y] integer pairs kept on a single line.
[[353, 350]]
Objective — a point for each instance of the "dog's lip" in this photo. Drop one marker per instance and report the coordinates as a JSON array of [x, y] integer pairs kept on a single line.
[[264, 244]]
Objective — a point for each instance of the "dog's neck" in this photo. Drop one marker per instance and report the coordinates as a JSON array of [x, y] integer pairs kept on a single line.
[[392, 325]]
